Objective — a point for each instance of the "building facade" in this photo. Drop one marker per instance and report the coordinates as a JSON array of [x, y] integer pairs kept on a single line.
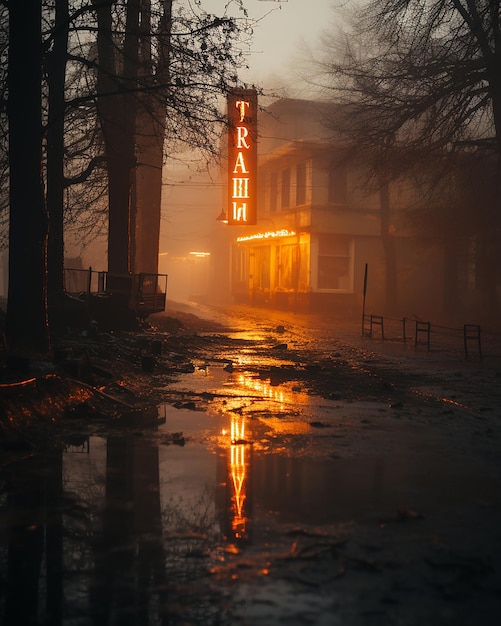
[[318, 229]]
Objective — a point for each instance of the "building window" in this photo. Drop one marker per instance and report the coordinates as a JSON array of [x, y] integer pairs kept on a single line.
[[337, 185], [286, 263], [335, 263], [292, 267], [301, 183], [261, 269], [273, 192], [286, 188]]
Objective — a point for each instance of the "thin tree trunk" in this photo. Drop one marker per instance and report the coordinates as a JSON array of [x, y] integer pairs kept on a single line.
[[55, 161], [488, 262], [390, 256], [451, 295], [26, 322]]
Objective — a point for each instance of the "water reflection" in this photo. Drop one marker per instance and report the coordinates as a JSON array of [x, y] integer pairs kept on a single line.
[[124, 529], [128, 549], [121, 530], [237, 518], [28, 498], [83, 540]]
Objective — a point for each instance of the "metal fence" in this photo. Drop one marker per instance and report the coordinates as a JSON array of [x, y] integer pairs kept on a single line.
[[146, 292], [424, 334]]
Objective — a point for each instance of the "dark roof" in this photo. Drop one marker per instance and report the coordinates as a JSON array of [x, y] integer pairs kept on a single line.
[[294, 120]]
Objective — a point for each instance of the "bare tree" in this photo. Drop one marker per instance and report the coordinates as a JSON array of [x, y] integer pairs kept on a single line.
[[160, 77], [121, 76], [419, 79]]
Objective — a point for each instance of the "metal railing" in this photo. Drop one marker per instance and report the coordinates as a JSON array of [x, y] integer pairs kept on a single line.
[[424, 333], [146, 292]]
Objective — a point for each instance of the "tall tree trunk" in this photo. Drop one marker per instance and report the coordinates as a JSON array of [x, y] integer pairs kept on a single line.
[[148, 193], [488, 255], [451, 295], [150, 144], [487, 259], [117, 111], [390, 256], [26, 322], [55, 161]]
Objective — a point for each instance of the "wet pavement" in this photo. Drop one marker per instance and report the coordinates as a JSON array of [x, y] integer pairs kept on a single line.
[[294, 474]]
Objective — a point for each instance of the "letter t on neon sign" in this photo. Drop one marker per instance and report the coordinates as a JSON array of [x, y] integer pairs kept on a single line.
[[242, 105]]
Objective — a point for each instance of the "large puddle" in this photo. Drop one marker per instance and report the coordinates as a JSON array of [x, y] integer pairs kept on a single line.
[[144, 527]]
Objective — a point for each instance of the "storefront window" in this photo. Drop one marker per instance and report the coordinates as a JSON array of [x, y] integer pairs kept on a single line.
[[262, 268], [292, 267]]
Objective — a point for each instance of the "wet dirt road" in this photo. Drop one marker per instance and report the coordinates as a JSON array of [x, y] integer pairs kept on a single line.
[[297, 475]]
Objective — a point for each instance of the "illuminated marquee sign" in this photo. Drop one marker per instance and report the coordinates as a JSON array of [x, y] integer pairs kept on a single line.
[[242, 157], [271, 234]]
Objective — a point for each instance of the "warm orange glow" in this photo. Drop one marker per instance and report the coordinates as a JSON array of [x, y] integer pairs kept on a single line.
[[242, 156], [238, 473], [237, 429], [240, 165], [266, 390], [242, 107], [270, 234]]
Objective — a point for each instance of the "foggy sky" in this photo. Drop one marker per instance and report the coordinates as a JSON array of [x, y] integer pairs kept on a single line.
[[279, 36]]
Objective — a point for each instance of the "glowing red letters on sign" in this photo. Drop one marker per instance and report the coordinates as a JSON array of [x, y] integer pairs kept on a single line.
[[242, 155]]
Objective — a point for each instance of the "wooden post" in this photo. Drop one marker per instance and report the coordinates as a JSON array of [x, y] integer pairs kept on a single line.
[[422, 327], [89, 280], [363, 301], [472, 331]]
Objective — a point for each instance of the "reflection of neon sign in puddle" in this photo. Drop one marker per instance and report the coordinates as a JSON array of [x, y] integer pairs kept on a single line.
[[286, 393], [278, 407], [215, 379], [238, 472], [238, 439]]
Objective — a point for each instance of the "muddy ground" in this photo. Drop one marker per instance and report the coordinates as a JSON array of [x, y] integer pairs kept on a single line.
[[373, 489]]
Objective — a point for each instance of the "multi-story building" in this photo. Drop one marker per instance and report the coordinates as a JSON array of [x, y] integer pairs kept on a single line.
[[318, 229]]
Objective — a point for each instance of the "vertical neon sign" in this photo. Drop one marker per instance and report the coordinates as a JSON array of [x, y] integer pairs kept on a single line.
[[242, 157]]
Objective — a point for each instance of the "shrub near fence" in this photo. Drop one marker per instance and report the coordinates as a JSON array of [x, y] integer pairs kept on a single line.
[[423, 334]]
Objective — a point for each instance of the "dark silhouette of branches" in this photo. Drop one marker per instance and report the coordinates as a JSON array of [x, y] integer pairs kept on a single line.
[[117, 77], [418, 93]]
